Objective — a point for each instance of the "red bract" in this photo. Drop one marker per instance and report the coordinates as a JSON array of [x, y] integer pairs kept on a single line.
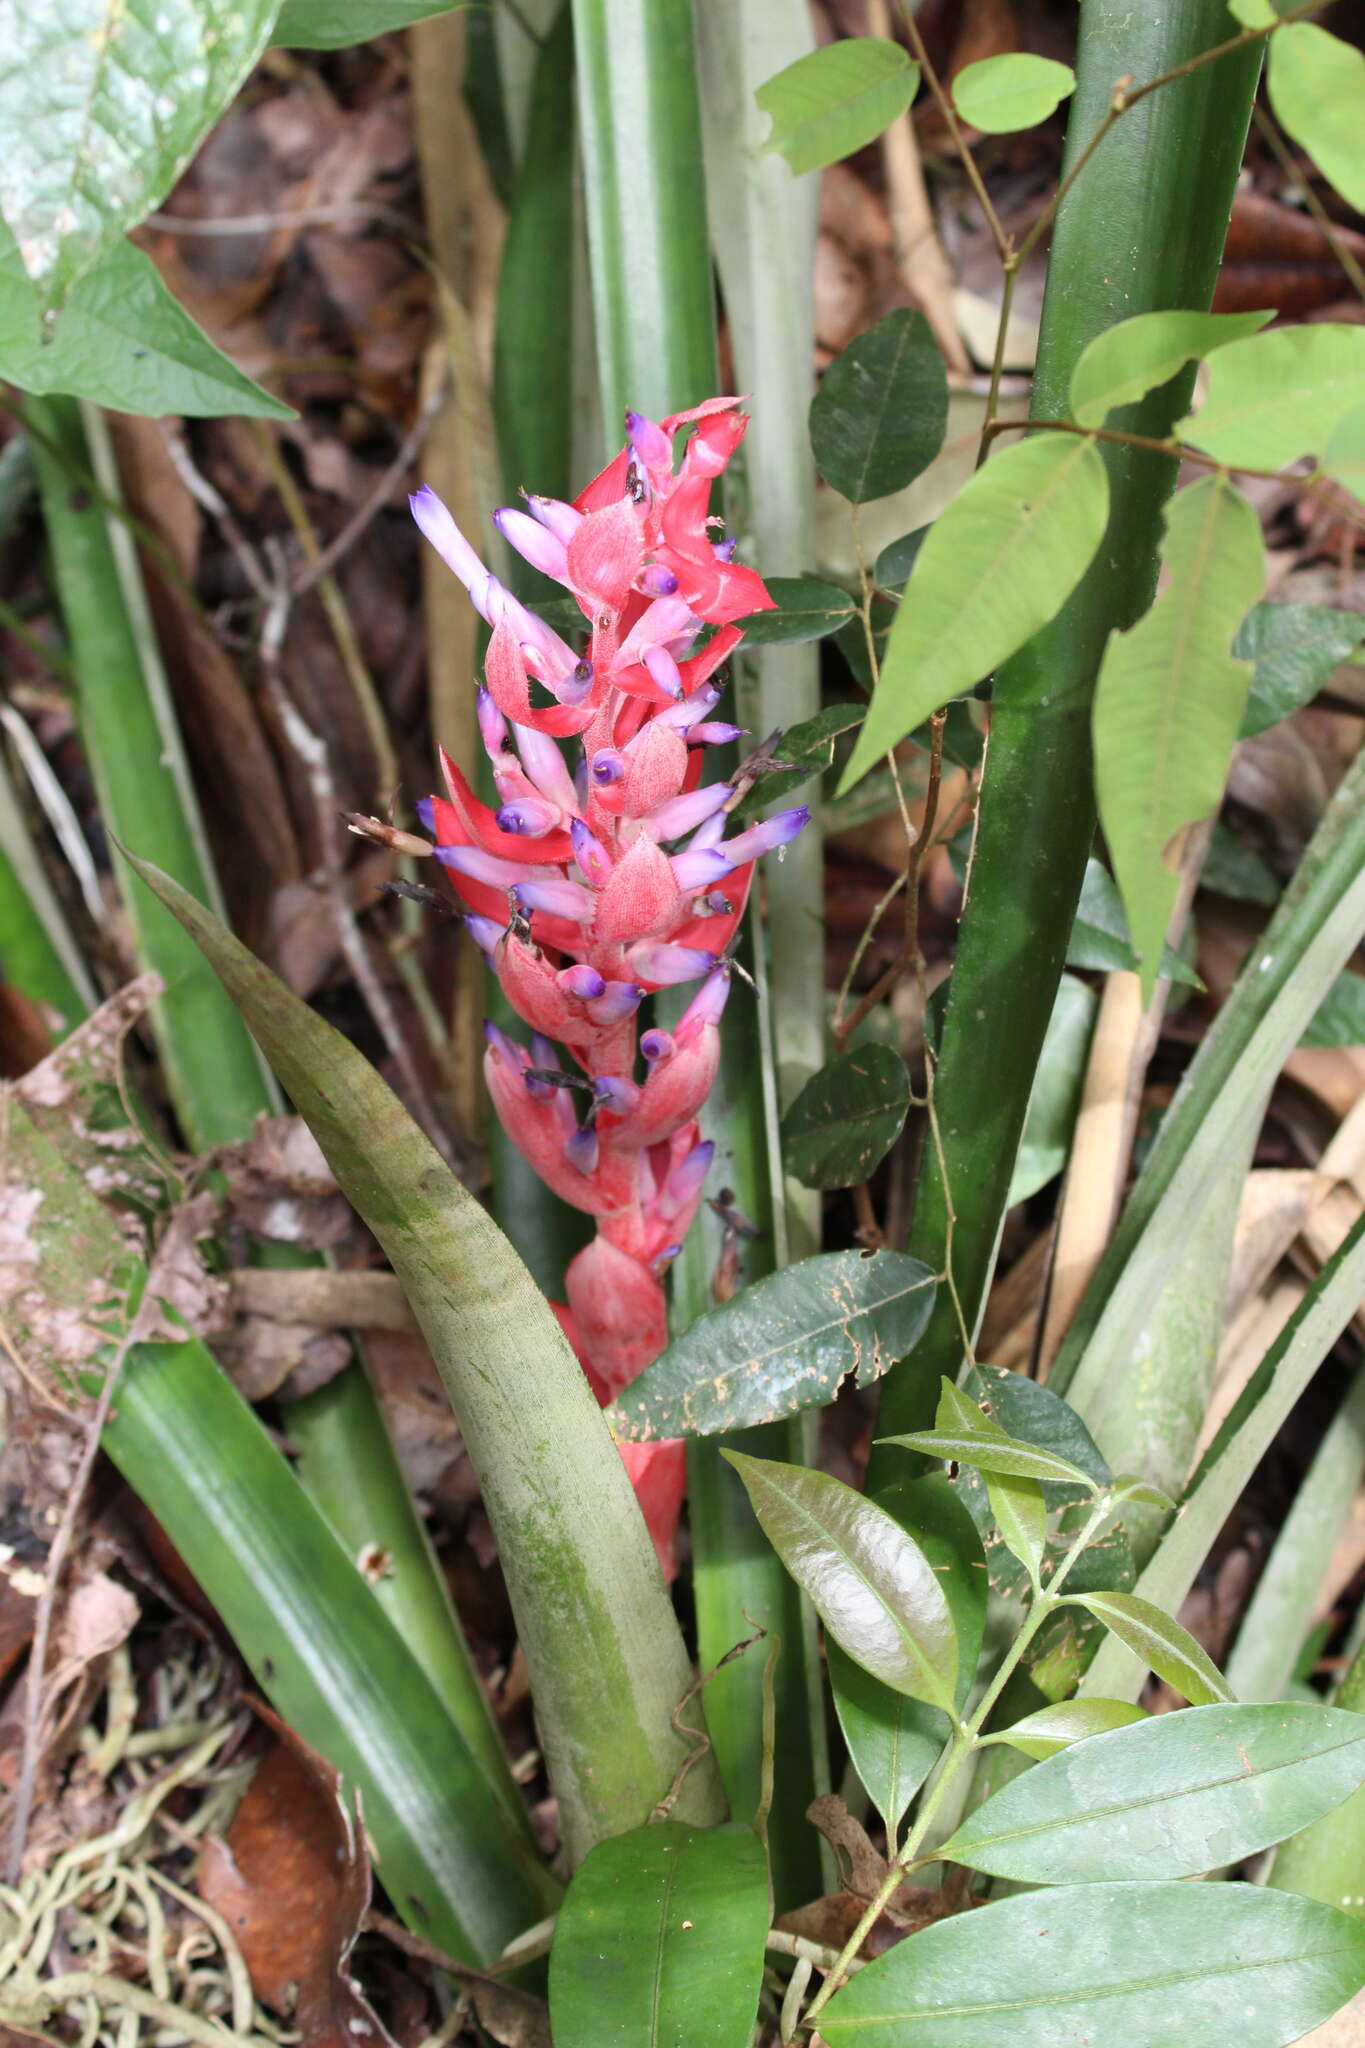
[[588, 887]]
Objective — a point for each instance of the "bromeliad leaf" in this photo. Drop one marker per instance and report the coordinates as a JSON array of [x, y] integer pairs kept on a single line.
[[1170, 699], [835, 101], [1000, 95], [1293, 649], [660, 1938], [997, 564], [1274, 397], [1166, 1648], [1317, 89], [1174, 1795], [102, 103], [784, 1344], [1099, 937], [880, 414], [1055, 1097], [336, 24], [122, 341], [1053, 1728], [1221, 1965], [847, 1117], [866, 1577], [1125, 362], [807, 609]]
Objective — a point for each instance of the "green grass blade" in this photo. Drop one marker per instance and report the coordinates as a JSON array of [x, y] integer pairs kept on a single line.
[[37, 953], [1127, 240]]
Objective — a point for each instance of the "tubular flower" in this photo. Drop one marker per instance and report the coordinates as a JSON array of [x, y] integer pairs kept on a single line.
[[589, 886]]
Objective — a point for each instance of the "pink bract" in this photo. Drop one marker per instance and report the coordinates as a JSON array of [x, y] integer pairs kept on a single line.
[[599, 879]]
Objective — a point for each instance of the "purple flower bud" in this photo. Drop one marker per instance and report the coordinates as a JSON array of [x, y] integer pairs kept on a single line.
[[699, 866], [775, 831], [659, 625], [659, 961], [684, 1184], [709, 835], [483, 867], [706, 1006], [664, 671], [724, 550], [426, 812], [679, 814], [656, 581], [436, 523], [613, 1093], [569, 900], [562, 520], [714, 733], [484, 931], [661, 1261], [529, 816], [682, 717], [606, 766], [533, 542], [492, 724], [576, 687], [544, 763], [582, 981], [649, 441], [581, 1150], [619, 1000], [656, 1046], [591, 855], [500, 1045]]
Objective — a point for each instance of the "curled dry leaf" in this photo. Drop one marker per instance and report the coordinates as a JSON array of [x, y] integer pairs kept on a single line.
[[292, 1880], [281, 1187]]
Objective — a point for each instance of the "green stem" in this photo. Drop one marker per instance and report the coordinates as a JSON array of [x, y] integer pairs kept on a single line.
[[1127, 240]]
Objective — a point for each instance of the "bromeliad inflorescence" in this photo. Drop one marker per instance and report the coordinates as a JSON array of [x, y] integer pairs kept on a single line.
[[594, 884]]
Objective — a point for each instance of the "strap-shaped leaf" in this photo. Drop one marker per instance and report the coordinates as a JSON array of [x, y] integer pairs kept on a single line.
[[1220, 1965], [1166, 1648], [1168, 1797], [997, 564], [660, 1939], [867, 1578], [781, 1345]]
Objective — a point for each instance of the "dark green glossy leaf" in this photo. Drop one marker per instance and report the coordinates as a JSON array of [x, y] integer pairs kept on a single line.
[[783, 1344], [897, 559], [1055, 1098], [660, 1939], [1340, 1017], [101, 106], [1099, 937], [809, 749], [1294, 649], [866, 1577], [1171, 1796], [122, 341], [847, 1118], [335, 24], [1021, 1518], [1168, 1649], [1232, 868], [1055, 1727], [836, 100], [880, 414], [894, 1741], [807, 609], [989, 1454], [1032, 1413], [1112, 1965]]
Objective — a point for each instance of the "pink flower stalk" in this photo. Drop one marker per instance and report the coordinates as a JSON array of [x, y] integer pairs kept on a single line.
[[588, 888]]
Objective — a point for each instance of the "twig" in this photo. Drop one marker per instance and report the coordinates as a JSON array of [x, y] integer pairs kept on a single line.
[[1278, 148], [919, 252], [1003, 245], [378, 498], [304, 217]]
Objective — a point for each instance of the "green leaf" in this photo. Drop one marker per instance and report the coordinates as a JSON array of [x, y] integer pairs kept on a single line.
[[809, 749], [1340, 1017], [1232, 868], [335, 24], [894, 1741], [1124, 363], [1274, 397], [1099, 937], [999, 95], [897, 559], [1170, 699], [1034, 1414], [1293, 648], [1142, 1492], [783, 1344], [102, 104], [660, 1939], [807, 609], [869, 1581], [1253, 13], [1317, 89], [1055, 1097], [879, 417], [579, 1564], [835, 101], [121, 341], [1174, 1795], [1167, 1648], [1021, 1517], [998, 563], [1052, 1728], [1343, 459], [847, 1118], [1203, 1966], [990, 1454]]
